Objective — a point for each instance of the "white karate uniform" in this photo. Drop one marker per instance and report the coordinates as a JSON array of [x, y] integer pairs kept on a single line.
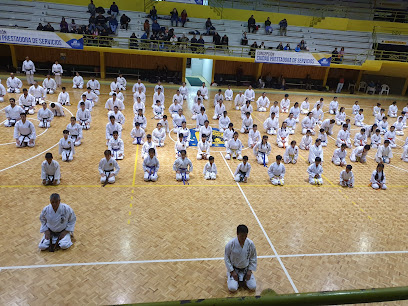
[[95, 86], [375, 141], [51, 172], [376, 110], [138, 105], [78, 82], [39, 93], [119, 117], [240, 259], [383, 126], [327, 126], [145, 149], [138, 135], [379, 117], [306, 142], [200, 119], [24, 132], [262, 152], [404, 155], [110, 128], [228, 135], [84, 117], [196, 98], [108, 167], [122, 83], [360, 139], [158, 112], [179, 99], [111, 103], [358, 155], [239, 101], [28, 68], [343, 137], [206, 131], [346, 179], [243, 170], [291, 125], [141, 119], [218, 111], [179, 146], [57, 71], [63, 219], [2, 92], [183, 165], [75, 133], [27, 103], [196, 110], [312, 170], [229, 95], [274, 109], [249, 95], [88, 105], [113, 86], [339, 157], [355, 109], [223, 123], [136, 87], [245, 109], [271, 125], [186, 134], [57, 110], [285, 104], [333, 107], [14, 85], [391, 136], [92, 97], [282, 138], [66, 149], [314, 152], [296, 112], [308, 124], [359, 119], [318, 115], [142, 96], [210, 171], [184, 92], [204, 92], [218, 97], [399, 127], [12, 115], [150, 168], [165, 124], [304, 107], [262, 103], [233, 148], [277, 174], [45, 117], [156, 88], [321, 103], [291, 155], [253, 137], [63, 98], [203, 148], [160, 97], [340, 118], [384, 154], [247, 124], [393, 111], [49, 85], [177, 122], [158, 136], [375, 183]]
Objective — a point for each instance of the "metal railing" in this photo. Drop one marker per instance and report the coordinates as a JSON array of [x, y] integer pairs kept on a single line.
[[390, 15], [394, 56]]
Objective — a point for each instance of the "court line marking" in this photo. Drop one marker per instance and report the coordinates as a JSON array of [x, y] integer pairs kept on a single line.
[[194, 259], [8, 143], [28, 159], [263, 230]]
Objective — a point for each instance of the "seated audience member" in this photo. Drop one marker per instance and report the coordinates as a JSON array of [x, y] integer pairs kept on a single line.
[[251, 24], [63, 25], [244, 39], [224, 41], [268, 28], [124, 22], [48, 28], [40, 27], [279, 47]]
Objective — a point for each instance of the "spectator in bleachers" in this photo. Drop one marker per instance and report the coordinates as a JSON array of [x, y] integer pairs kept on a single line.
[[303, 46], [341, 54], [193, 43], [262, 46], [113, 24], [244, 39], [283, 24], [279, 47], [92, 24], [217, 40], [183, 42], [224, 41], [297, 49], [124, 22], [91, 8], [287, 47], [100, 22], [183, 18], [146, 27], [72, 27], [200, 43], [63, 26], [48, 28], [251, 24], [153, 13], [133, 41], [268, 27], [335, 56], [173, 41], [40, 27], [155, 27], [113, 10], [209, 26], [144, 36], [100, 10], [252, 49], [174, 17]]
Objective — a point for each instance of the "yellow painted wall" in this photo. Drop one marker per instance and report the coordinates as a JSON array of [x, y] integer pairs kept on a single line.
[[128, 5], [344, 24]]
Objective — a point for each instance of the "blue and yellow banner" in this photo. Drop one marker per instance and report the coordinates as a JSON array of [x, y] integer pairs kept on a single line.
[[217, 138]]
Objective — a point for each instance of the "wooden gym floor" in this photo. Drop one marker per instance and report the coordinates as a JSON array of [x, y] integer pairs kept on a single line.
[[143, 242]]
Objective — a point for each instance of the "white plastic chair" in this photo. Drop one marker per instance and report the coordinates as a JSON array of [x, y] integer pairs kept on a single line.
[[385, 88], [370, 89], [362, 85]]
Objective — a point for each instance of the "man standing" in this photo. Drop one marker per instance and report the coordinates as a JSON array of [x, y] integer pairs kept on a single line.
[[57, 223], [29, 69], [240, 260], [57, 71]]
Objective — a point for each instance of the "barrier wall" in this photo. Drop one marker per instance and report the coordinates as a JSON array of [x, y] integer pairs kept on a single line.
[[142, 61]]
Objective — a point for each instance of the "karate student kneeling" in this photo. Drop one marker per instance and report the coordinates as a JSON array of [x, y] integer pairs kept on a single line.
[[66, 147], [116, 146], [347, 177], [243, 170], [315, 171], [183, 166], [377, 180], [210, 169], [24, 132], [262, 150], [203, 148], [240, 260], [151, 166], [277, 171], [50, 171], [234, 148], [108, 168], [57, 223]]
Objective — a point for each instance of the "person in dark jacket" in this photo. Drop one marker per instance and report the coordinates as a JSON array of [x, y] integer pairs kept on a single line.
[[251, 24], [224, 42], [217, 40], [279, 47], [153, 13], [124, 22], [174, 17]]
